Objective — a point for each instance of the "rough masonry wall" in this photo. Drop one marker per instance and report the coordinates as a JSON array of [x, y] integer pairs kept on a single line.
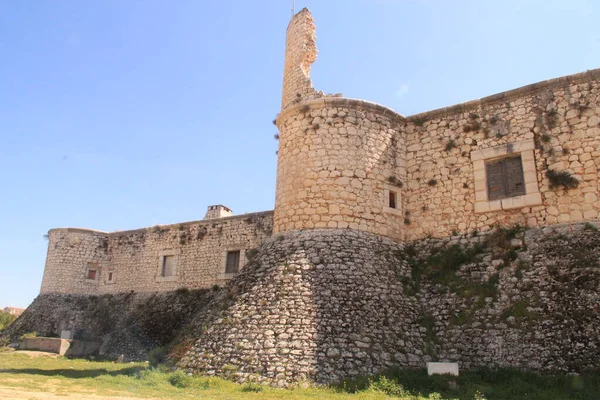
[[510, 298], [325, 305], [318, 305], [561, 116], [337, 160], [128, 324], [134, 257]]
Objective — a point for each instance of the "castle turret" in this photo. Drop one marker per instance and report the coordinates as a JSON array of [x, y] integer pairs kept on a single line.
[[74, 262], [341, 162]]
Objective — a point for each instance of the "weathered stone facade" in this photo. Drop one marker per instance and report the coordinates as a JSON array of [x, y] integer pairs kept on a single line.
[[324, 305], [352, 164], [388, 248], [339, 158], [131, 260], [561, 120]]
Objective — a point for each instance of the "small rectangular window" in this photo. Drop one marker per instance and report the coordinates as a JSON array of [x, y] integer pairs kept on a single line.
[[233, 262], [110, 276], [91, 274], [392, 200], [168, 266], [505, 178]]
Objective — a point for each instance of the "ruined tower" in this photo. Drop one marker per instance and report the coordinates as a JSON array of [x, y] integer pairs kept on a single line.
[[341, 161]]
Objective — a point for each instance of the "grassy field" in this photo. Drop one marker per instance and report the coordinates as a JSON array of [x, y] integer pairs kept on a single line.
[[81, 378]]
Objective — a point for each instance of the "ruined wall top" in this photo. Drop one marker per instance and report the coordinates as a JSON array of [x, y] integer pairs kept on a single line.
[[300, 53]]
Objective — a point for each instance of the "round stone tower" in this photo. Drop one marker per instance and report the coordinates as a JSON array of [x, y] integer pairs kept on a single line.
[[74, 261], [341, 162]]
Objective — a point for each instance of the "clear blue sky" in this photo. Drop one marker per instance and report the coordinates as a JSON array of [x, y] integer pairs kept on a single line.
[[123, 114]]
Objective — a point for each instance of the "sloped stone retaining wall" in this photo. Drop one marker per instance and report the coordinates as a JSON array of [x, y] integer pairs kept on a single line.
[[327, 305]]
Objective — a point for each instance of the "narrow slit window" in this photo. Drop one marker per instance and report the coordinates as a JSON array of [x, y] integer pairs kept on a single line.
[[505, 178], [233, 262], [110, 276], [392, 200]]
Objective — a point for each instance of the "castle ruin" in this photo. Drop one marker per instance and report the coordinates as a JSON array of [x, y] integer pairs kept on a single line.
[[329, 285]]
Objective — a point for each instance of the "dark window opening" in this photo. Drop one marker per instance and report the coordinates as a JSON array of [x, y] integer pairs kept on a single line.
[[110, 276], [91, 274], [233, 262], [168, 266], [392, 200], [505, 178]]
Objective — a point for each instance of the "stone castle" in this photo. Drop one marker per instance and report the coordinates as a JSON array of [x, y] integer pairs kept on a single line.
[[329, 284], [352, 164]]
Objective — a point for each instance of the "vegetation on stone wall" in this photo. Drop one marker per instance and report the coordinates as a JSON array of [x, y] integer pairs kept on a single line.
[[561, 178]]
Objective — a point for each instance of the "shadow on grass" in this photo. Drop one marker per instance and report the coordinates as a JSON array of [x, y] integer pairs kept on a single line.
[[73, 373]]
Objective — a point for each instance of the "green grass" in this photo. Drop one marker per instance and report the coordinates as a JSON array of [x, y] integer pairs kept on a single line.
[[501, 384], [62, 376]]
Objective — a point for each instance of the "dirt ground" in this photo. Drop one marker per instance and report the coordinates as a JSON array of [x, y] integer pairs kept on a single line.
[[7, 393]]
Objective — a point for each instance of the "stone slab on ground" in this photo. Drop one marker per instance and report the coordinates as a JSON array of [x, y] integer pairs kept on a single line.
[[442, 368]]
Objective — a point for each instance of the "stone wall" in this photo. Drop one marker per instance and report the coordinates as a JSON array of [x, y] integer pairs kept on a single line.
[[338, 159], [314, 305], [129, 324], [325, 305], [133, 258], [446, 150]]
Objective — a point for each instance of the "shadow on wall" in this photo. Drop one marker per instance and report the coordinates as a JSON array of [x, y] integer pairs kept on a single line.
[[128, 324]]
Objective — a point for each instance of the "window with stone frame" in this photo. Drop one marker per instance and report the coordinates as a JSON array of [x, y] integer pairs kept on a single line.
[[232, 264], [92, 272], [392, 199], [505, 178], [168, 265]]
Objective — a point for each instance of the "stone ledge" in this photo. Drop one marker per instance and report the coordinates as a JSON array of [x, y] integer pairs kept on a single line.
[[79, 230]]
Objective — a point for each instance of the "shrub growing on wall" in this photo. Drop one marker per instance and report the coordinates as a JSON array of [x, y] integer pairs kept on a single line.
[[561, 178]]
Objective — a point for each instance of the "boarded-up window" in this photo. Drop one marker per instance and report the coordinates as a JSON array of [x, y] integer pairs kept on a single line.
[[505, 178], [392, 200], [168, 266], [233, 262], [91, 274]]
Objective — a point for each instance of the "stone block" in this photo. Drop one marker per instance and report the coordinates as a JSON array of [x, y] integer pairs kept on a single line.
[[441, 368], [66, 335]]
